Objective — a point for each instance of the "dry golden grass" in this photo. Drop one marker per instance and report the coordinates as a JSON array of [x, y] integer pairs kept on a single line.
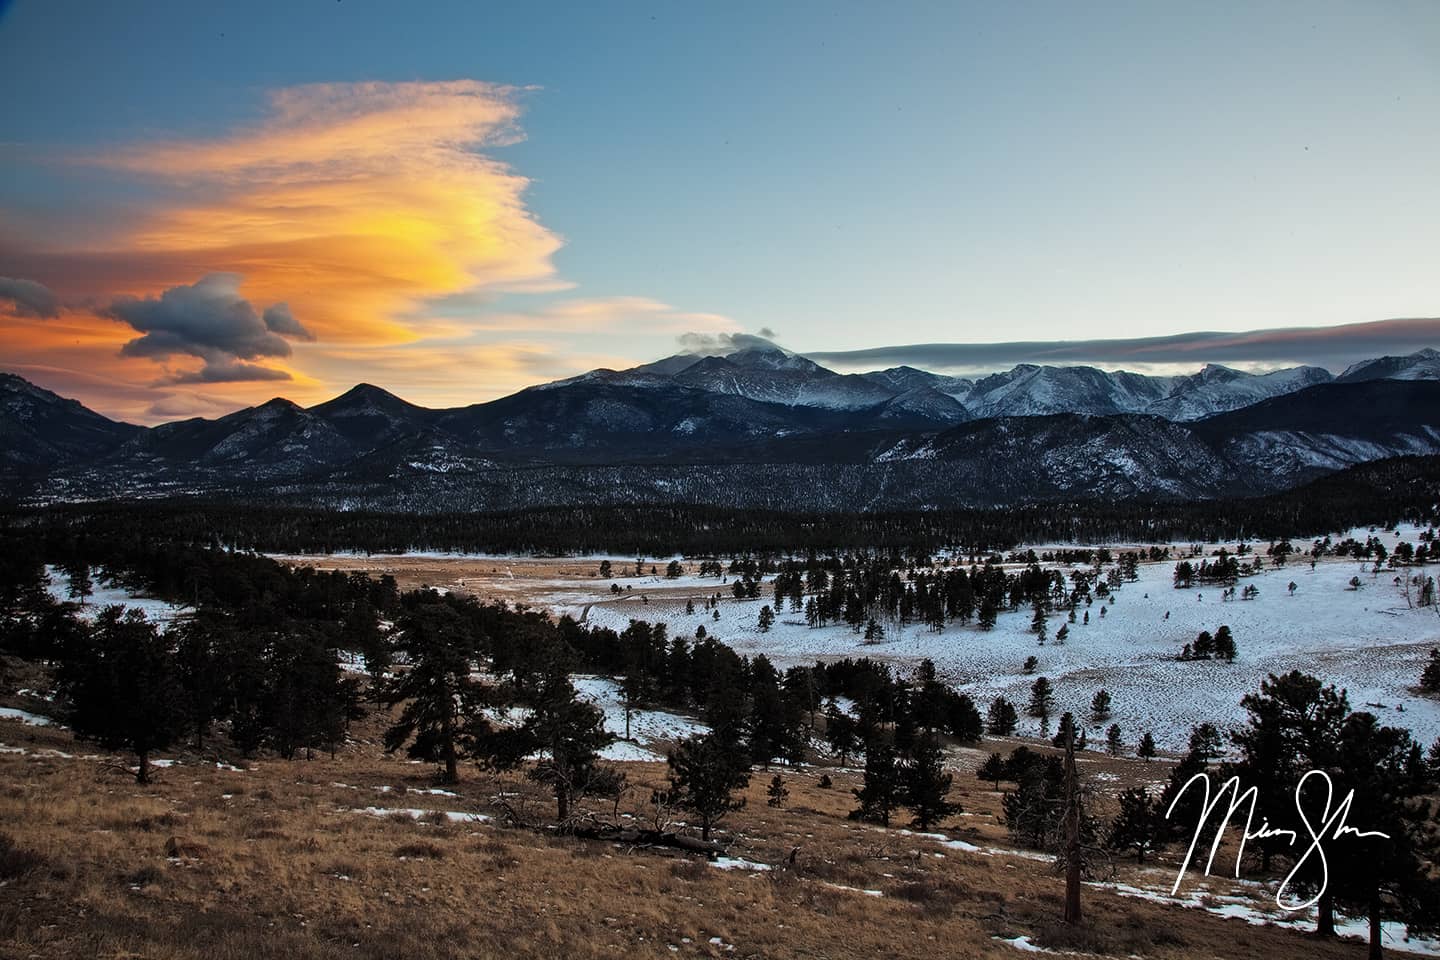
[[276, 861]]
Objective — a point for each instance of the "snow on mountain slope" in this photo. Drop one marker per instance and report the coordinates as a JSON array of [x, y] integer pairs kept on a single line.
[[1302, 453], [1030, 390], [771, 374], [771, 377], [1421, 365], [905, 379], [1218, 389]]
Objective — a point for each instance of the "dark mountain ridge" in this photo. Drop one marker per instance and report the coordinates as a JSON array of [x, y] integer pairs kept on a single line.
[[614, 437]]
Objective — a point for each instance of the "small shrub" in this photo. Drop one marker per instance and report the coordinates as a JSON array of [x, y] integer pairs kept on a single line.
[[16, 862], [144, 876], [420, 851], [936, 895], [692, 870], [162, 821]]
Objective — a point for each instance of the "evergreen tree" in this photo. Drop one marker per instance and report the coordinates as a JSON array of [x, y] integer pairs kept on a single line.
[[1137, 826], [306, 702], [705, 772], [774, 724], [1294, 726], [767, 618], [802, 696], [441, 701], [841, 732], [1038, 622], [777, 792], [881, 791], [1042, 699], [199, 673], [1204, 646], [993, 769], [362, 633], [1205, 742], [77, 573], [1430, 676], [122, 687], [1225, 645], [931, 701], [1073, 856], [926, 784], [1100, 706], [988, 614], [1392, 877], [570, 733], [1146, 750], [1068, 731], [1032, 810], [962, 717], [1001, 718], [243, 658], [1113, 744]]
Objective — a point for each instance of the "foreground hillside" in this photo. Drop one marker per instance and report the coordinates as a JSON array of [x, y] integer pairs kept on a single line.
[[294, 828], [361, 856]]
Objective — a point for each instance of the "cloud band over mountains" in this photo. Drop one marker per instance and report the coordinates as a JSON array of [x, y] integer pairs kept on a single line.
[[1333, 347]]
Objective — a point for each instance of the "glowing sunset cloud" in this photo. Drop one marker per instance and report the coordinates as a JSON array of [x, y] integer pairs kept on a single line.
[[364, 199], [349, 208]]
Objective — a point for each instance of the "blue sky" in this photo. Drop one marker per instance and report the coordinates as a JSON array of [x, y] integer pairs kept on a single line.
[[848, 175]]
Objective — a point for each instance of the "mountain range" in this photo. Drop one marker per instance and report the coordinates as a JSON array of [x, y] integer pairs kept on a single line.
[[757, 427]]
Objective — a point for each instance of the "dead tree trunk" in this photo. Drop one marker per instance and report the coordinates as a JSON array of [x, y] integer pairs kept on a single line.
[[1073, 852]]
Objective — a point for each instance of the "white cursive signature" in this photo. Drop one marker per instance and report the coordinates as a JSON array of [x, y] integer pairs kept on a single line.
[[1331, 826]]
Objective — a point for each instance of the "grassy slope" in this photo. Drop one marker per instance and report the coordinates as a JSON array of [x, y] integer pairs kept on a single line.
[[280, 866]]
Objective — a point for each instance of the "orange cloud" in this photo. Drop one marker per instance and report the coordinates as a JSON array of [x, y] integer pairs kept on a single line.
[[367, 208], [356, 203]]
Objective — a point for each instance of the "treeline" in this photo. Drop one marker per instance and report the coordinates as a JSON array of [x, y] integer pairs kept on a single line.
[[1384, 492], [257, 658], [865, 590]]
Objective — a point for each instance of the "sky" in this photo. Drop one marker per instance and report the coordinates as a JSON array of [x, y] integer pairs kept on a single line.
[[206, 205]]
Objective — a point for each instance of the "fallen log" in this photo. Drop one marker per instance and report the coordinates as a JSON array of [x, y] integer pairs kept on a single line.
[[637, 837]]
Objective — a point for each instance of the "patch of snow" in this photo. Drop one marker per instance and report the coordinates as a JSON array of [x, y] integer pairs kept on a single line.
[[1395, 935], [107, 594], [10, 713], [868, 893], [646, 726], [736, 863]]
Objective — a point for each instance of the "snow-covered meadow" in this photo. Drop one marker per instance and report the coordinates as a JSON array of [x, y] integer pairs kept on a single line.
[[1367, 640], [647, 727], [105, 593]]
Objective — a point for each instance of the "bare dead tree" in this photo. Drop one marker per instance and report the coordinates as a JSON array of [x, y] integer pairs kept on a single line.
[[1074, 855]]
